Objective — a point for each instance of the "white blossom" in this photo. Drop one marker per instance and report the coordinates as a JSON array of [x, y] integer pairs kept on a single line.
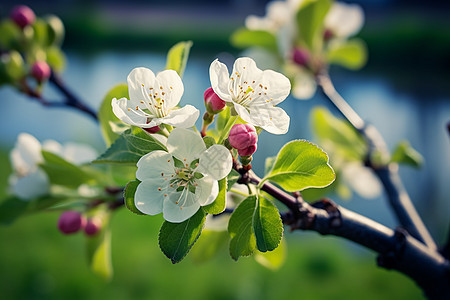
[[153, 100], [178, 182], [253, 93], [344, 19]]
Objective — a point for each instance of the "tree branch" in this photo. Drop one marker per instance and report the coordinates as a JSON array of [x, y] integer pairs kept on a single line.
[[397, 195]]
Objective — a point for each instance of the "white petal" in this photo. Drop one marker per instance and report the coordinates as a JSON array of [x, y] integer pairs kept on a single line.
[[177, 213], [304, 85], [272, 119], [185, 144], [28, 153], [171, 85], [127, 114], [184, 117], [156, 164], [33, 185], [216, 161], [53, 147], [345, 20], [278, 86], [149, 196], [137, 78], [78, 153], [219, 76], [246, 68], [207, 190]]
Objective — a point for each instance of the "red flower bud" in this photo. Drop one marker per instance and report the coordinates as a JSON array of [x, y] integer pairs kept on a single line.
[[248, 151], [327, 34], [243, 136], [153, 129], [93, 226], [41, 71], [22, 15], [71, 222], [213, 102], [300, 56]]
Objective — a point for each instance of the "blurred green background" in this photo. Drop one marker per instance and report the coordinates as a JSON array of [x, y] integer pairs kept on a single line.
[[404, 86]]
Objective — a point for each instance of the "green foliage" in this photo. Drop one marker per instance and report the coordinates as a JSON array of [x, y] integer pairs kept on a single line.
[[209, 141], [177, 57], [11, 208], [244, 38], [55, 29], [233, 177], [268, 164], [337, 136], [13, 66], [9, 34], [128, 196], [310, 18], [106, 116], [61, 172], [300, 165], [267, 225], [405, 154], [208, 245], [275, 259], [351, 54], [222, 119], [218, 205], [176, 239], [240, 228], [56, 58], [130, 147]]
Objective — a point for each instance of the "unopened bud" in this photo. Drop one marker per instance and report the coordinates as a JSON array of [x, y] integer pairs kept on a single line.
[[243, 136], [71, 222], [213, 102], [247, 151], [153, 129], [246, 160], [41, 71], [93, 226], [301, 56], [327, 34], [22, 15]]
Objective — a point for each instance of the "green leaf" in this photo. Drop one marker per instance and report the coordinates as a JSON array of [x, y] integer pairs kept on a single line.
[[405, 154], [106, 116], [351, 54], [128, 195], [176, 239], [62, 172], [218, 205], [268, 165], [337, 136], [55, 29], [300, 165], [240, 228], [42, 34], [267, 225], [56, 59], [9, 34], [130, 147], [177, 57], [233, 177], [310, 19], [209, 141], [208, 245], [13, 65], [222, 119], [99, 250], [12, 208], [244, 38], [275, 259]]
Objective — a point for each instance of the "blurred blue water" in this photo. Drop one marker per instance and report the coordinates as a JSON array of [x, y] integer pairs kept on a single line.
[[398, 115]]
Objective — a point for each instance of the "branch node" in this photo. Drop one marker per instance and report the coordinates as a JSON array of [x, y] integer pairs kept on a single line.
[[332, 209], [388, 260]]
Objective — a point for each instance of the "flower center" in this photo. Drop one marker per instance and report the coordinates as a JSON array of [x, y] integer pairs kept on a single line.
[[155, 100], [245, 92]]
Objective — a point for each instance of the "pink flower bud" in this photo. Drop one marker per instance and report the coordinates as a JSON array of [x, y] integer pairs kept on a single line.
[[247, 151], [41, 71], [153, 129], [243, 136], [300, 56], [327, 34], [71, 222], [22, 15], [93, 226], [213, 102]]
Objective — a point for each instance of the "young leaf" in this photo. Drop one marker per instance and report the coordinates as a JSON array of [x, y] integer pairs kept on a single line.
[[176, 239], [351, 54], [128, 195], [218, 205], [244, 38], [233, 177], [310, 18], [130, 147], [405, 154], [177, 57], [300, 165], [268, 165], [106, 116], [99, 251], [222, 119], [240, 228], [267, 225], [61, 172]]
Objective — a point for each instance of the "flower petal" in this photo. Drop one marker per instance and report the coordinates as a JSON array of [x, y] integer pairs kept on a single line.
[[26, 153], [185, 144], [137, 78], [31, 186], [207, 190], [124, 112], [177, 213], [172, 86], [278, 86], [156, 164], [149, 196], [219, 76], [216, 161], [304, 85], [272, 119], [78, 154], [184, 117], [344, 19]]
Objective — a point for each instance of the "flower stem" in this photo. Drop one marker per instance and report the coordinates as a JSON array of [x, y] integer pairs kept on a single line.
[[227, 128]]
